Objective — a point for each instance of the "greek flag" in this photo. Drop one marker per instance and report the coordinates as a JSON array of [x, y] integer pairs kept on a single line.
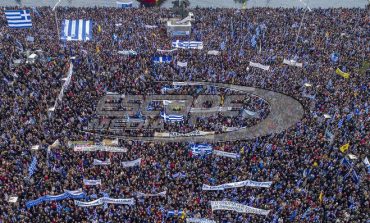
[[76, 30], [254, 41], [355, 177], [172, 118], [32, 168], [18, 18], [188, 44], [340, 123], [174, 213], [345, 162], [124, 5], [201, 149], [162, 59]]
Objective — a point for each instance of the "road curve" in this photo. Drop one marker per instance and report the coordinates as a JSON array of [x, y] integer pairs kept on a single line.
[[285, 112]]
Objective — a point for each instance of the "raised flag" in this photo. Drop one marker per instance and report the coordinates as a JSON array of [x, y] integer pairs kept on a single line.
[[76, 30], [162, 59], [321, 196], [188, 44], [344, 148], [201, 149], [124, 5], [172, 118], [292, 63], [182, 64], [341, 73], [367, 164], [18, 18], [214, 52]]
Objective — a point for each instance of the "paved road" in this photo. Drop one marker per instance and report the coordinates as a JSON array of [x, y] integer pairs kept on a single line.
[[285, 112]]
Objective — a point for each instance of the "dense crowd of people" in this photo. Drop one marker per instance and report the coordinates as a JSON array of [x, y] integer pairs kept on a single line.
[[313, 179]]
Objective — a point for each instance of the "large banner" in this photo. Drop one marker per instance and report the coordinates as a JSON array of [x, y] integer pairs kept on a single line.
[[92, 182], [131, 163], [292, 63], [226, 154], [246, 183], [258, 65], [76, 194], [72, 144], [199, 220], [94, 148], [105, 200], [161, 194], [177, 134], [110, 142], [240, 208]]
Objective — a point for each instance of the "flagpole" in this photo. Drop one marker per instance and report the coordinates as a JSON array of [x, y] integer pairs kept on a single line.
[[300, 25], [56, 18]]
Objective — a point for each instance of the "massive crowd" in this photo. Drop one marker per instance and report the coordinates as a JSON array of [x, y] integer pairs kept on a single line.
[[311, 183]]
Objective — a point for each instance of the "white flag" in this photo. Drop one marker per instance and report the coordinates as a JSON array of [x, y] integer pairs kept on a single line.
[[292, 63], [213, 52], [182, 64]]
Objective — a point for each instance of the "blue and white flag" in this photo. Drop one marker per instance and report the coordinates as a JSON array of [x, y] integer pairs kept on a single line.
[[254, 41], [77, 194], [162, 59], [33, 166], [367, 164], [174, 213], [91, 182], [167, 88], [172, 118], [246, 183], [334, 57], [355, 177], [75, 30], [199, 220], [188, 44], [18, 18], [345, 162], [201, 149], [124, 5], [340, 123], [101, 162]]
